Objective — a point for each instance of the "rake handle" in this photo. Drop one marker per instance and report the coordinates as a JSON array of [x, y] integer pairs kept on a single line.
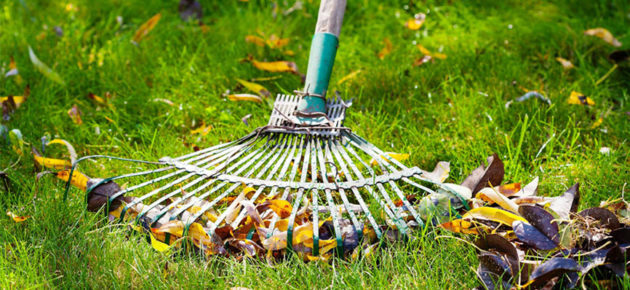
[[322, 55]]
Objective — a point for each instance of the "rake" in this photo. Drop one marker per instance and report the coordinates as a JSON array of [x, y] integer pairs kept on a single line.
[[304, 155]]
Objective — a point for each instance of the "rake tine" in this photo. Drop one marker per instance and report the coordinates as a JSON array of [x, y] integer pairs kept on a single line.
[[331, 204]]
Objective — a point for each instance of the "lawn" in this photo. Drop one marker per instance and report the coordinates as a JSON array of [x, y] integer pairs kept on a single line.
[[175, 79]]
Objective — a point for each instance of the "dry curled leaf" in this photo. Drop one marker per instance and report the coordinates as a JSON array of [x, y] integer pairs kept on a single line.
[[146, 27], [416, 22], [254, 87], [426, 52], [604, 34], [17, 218], [348, 77], [385, 50], [244, 97], [566, 64], [276, 66], [75, 115], [482, 176], [577, 98]]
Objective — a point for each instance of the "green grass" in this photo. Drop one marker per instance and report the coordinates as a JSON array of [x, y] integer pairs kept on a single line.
[[450, 109]]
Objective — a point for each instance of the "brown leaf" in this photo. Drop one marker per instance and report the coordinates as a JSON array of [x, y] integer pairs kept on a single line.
[[606, 218], [542, 220], [98, 196], [482, 175]]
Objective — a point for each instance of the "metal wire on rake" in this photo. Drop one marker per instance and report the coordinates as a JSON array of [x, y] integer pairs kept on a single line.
[[333, 169]]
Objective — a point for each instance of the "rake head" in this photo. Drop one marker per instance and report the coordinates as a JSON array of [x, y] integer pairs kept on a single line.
[[330, 176]]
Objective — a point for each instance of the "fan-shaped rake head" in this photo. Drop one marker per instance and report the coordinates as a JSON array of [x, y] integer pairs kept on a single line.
[[334, 180]]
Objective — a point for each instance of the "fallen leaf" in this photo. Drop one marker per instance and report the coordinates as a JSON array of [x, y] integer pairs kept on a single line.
[[420, 61], [386, 50], [16, 140], [157, 245], [257, 40], [244, 97], [426, 52], [567, 203], [542, 220], [484, 175], [203, 130], [190, 10], [99, 195], [254, 87], [579, 99], [11, 103], [45, 69], [275, 66], [604, 34], [462, 226], [493, 214], [491, 195], [146, 27], [277, 42], [79, 179], [396, 156], [532, 237], [280, 206], [566, 64], [71, 151], [439, 173], [75, 115], [348, 77], [550, 269], [606, 218], [416, 22], [16, 218], [58, 164]]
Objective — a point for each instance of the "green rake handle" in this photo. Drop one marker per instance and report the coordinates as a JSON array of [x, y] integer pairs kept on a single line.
[[322, 56]]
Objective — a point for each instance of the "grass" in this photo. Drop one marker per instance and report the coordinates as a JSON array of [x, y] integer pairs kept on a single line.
[[451, 109]]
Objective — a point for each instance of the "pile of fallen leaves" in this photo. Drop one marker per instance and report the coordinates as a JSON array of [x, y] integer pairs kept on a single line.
[[527, 240], [250, 225]]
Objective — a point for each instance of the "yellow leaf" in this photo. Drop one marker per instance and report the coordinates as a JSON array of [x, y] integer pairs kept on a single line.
[[579, 99], [565, 63], [75, 115], [281, 207], [97, 99], [244, 97], [255, 40], [71, 151], [386, 50], [174, 227], [461, 226], [490, 194], [425, 51], [276, 42], [276, 66], [493, 214], [157, 245], [254, 87], [78, 179], [146, 27], [597, 123], [604, 34], [416, 22], [397, 156], [52, 163], [16, 218], [116, 213], [203, 130], [349, 77]]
